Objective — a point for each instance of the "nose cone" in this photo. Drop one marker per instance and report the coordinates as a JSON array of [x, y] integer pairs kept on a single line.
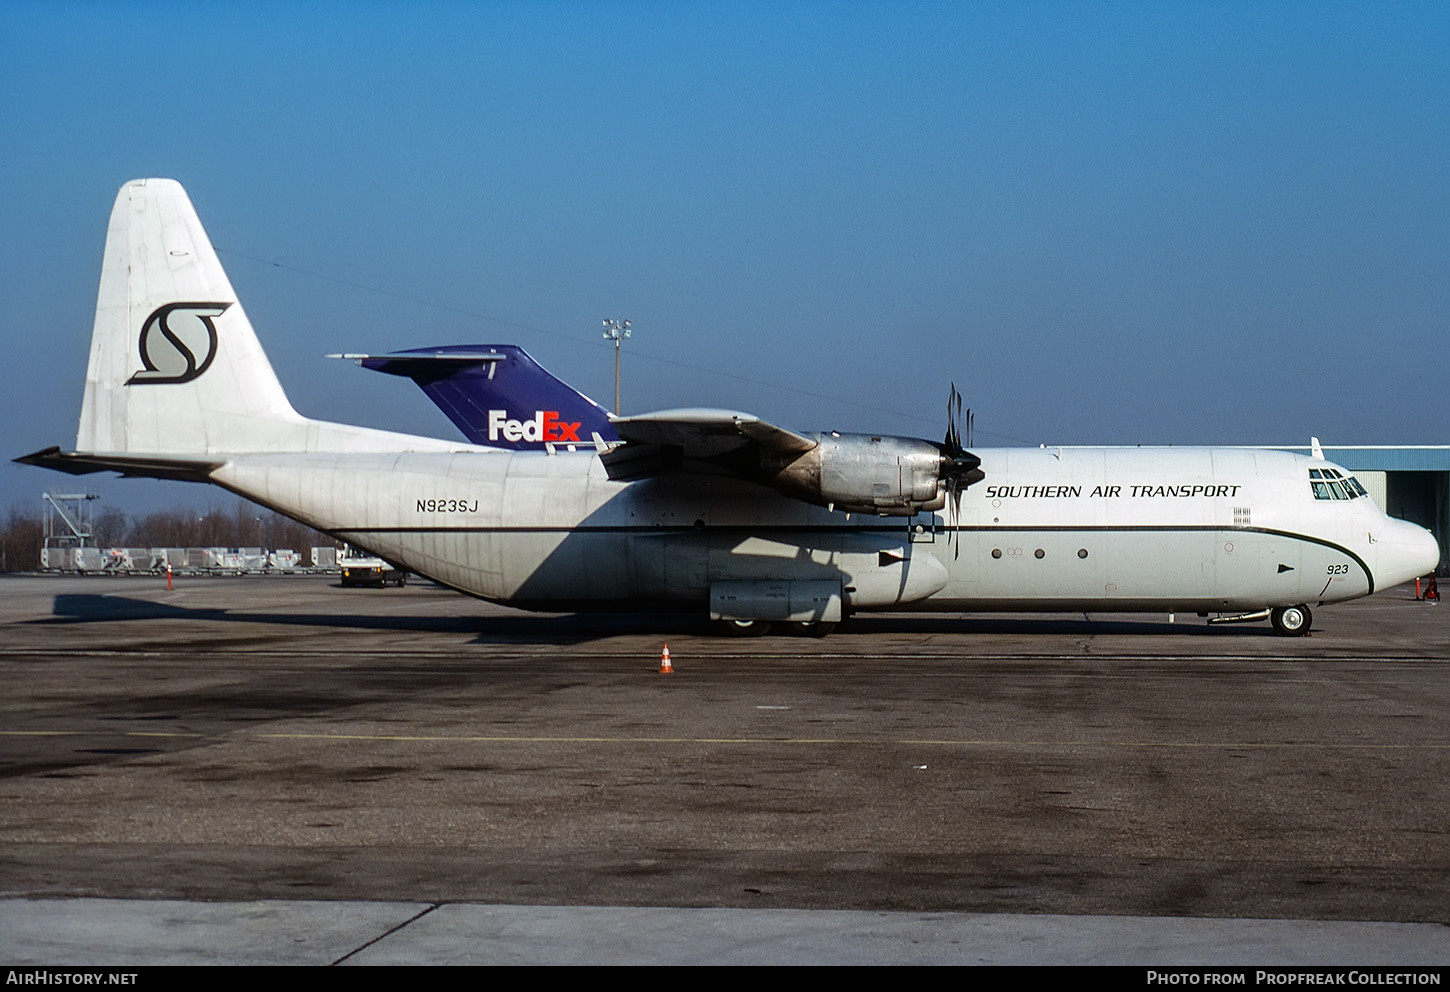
[[1407, 551]]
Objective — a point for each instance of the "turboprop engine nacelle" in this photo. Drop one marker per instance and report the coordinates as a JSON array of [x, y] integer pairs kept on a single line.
[[865, 473]]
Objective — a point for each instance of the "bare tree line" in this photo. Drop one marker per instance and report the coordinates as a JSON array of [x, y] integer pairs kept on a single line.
[[247, 525]]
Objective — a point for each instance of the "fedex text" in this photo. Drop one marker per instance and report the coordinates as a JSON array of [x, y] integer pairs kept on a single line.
[[546, 426]]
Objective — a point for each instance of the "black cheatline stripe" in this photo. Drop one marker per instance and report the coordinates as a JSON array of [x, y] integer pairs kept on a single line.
[[848, 529]]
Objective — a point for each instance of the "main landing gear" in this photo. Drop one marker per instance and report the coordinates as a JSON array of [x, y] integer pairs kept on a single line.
[[1291, 621], [745, 628], [755, 628]]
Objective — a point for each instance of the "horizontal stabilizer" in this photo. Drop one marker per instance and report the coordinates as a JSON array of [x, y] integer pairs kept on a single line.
[[425, 362], [186, 468]]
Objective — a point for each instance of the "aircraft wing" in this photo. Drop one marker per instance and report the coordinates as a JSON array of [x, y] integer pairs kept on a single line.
[[715, 442]]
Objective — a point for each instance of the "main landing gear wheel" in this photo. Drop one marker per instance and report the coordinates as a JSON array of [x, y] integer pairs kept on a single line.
[[745, 628], [813, 628], [1291, 621]]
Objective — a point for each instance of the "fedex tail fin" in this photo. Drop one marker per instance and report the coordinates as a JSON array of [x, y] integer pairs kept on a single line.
[[497, 395]]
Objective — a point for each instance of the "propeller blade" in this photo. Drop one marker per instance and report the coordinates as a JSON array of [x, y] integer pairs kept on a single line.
[[959, 467], [950, 440]]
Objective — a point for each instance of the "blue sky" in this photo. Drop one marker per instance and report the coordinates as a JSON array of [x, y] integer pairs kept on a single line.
[[1186, 223]]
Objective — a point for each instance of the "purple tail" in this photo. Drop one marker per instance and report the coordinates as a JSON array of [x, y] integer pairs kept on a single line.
[[498, 396]]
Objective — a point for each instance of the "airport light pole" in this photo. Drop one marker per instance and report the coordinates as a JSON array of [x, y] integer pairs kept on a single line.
[[616, 331]]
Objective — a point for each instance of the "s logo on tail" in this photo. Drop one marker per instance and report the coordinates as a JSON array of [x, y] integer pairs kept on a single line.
[[178, 342]]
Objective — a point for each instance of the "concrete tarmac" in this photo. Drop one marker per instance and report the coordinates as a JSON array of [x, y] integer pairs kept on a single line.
[[1104, 789]]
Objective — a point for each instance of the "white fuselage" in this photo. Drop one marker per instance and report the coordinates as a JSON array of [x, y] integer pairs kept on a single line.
[[1191, 529]]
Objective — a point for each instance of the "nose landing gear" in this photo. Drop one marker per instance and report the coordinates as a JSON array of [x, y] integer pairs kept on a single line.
[[1291, 621]]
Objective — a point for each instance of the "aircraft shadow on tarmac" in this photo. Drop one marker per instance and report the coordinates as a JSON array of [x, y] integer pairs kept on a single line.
[[577, 628], [566, 629]]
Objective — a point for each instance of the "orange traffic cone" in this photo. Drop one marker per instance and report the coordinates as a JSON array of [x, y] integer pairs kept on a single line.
[[665, 667]]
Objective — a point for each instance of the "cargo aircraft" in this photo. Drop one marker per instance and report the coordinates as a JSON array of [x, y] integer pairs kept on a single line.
[[554, 504]]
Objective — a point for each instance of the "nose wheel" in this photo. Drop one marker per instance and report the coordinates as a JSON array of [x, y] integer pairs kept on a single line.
[[1291, 621]]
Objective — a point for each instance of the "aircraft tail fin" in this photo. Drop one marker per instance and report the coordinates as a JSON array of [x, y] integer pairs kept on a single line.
[[175, 366], [497, 395]]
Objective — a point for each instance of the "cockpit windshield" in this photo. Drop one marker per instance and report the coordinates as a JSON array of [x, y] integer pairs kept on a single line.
[[1330, 483]]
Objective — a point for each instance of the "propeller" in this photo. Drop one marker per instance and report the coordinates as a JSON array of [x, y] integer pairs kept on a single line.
[[959, 467]]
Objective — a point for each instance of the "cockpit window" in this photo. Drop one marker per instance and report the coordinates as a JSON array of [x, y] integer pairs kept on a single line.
[[1330, 483]]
